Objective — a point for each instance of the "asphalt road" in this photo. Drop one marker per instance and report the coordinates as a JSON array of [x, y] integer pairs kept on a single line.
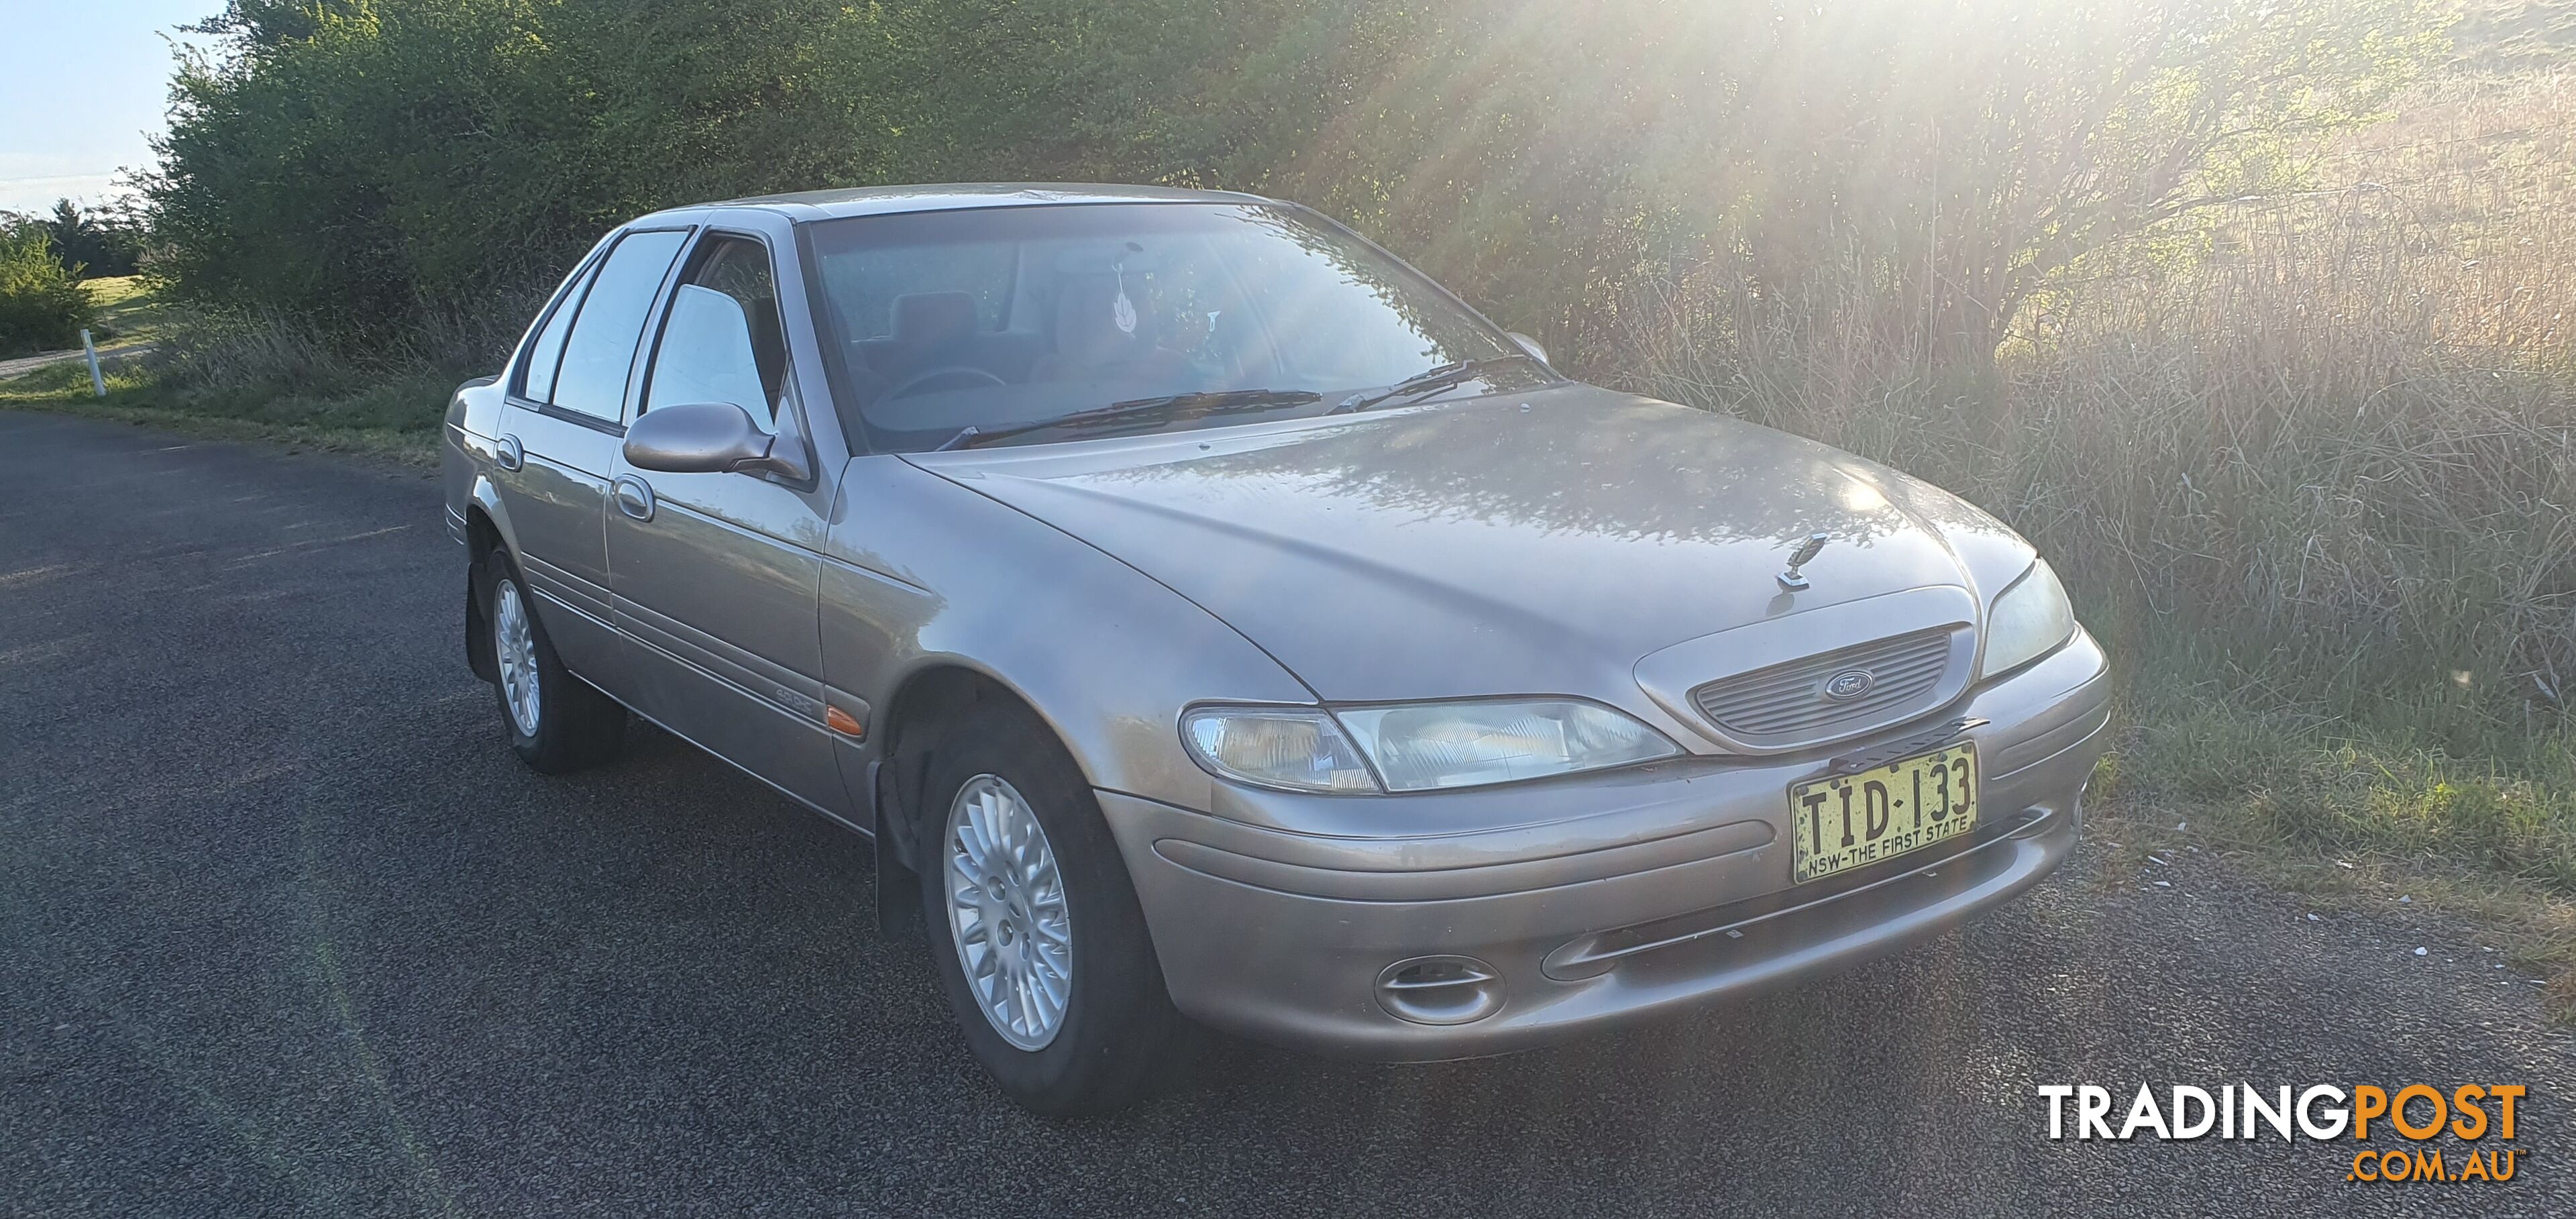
[[285, 929]]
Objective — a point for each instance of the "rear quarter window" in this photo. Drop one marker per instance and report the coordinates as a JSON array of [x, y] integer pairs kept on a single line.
[[536, 380]]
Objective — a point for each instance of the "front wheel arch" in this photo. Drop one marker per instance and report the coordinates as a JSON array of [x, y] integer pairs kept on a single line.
[[1119, 1036], [925, 708]]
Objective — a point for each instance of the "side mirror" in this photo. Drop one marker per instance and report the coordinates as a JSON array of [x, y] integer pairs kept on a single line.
[[1528, 344], [706, 438]]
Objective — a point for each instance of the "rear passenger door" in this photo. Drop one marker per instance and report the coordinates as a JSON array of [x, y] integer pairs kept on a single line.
[[560, 431], [715, 576]]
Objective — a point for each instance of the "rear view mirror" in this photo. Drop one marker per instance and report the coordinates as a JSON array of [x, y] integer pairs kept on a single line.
[[706, 438], [1528, 344]]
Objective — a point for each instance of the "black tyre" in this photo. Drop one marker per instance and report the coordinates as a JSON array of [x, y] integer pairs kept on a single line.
[[1046, 963], [556, 721]]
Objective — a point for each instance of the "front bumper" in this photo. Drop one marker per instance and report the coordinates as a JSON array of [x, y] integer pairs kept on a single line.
[[1603, 900]]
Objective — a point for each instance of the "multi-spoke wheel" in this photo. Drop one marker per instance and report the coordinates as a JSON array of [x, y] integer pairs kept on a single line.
[[514, 650], [1046, 962], [1006, 912], [556, 721]]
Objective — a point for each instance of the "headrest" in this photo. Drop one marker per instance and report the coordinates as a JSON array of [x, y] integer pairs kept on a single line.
[[924, 318], [1086, 326]]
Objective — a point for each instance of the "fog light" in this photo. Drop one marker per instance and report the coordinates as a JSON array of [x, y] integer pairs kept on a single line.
[[1440, 990]]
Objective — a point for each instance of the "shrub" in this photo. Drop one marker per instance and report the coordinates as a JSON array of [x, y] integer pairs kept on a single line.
[[42, 303], [368, 165]]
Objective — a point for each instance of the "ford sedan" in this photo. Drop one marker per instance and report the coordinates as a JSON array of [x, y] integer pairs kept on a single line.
[[1215, 623]]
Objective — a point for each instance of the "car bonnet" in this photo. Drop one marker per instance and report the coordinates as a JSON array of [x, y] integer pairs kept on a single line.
[[1509, 544]]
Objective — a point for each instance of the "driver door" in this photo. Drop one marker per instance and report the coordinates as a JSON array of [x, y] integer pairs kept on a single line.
[[714, 577]]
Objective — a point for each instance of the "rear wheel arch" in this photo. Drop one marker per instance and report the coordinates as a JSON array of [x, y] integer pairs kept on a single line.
[[576, 726]]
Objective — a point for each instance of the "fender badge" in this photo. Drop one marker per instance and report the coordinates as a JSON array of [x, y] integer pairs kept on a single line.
[[1791, 579]]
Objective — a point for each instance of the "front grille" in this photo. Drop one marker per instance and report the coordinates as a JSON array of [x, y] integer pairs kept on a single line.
[[1789, 698]]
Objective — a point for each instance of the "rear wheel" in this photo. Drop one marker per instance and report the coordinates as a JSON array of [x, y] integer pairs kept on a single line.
[[1040, 944], [556, 721]]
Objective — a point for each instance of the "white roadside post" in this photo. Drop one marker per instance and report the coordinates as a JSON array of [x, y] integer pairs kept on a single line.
[[97, 383]]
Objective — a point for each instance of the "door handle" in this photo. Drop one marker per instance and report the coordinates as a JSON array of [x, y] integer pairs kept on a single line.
[[635, 497], [507, 454]]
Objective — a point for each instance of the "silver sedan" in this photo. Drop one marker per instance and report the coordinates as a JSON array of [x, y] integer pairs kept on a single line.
[[1214, 622]]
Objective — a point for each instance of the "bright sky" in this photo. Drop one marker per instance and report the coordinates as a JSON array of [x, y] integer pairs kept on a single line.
[[83, 83]]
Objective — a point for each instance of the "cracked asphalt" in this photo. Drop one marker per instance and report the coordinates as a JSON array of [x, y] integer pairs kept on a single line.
[[285, 929]]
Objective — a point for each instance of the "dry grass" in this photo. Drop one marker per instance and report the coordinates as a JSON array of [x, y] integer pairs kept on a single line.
[[2309, 462], [2341, 417]]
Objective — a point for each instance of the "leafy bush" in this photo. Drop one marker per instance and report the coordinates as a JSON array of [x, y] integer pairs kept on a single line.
[[42, 304], [371, 166]]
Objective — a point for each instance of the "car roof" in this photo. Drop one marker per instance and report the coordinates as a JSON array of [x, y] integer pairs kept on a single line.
[[804, 206]]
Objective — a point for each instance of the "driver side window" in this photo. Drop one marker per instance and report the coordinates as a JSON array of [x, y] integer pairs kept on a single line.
[[722, 340]]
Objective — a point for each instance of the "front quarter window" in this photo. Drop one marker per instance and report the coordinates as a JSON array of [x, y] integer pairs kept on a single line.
[[722, 341], [997, 319]]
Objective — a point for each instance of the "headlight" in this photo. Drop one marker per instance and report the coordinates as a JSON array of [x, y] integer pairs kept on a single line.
[[1297, 749], [1437, 745], [1418, 747], [2030, 619]]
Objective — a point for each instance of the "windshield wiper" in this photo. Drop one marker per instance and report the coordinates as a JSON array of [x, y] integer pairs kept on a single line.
[[1212, 402], [1424, 382]]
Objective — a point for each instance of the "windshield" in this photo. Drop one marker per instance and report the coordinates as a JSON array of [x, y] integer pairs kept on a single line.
[[1000, 318]]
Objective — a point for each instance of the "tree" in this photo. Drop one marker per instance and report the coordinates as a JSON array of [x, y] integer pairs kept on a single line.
[[370, 167], [105, 242], [371, 164], [42, 303]]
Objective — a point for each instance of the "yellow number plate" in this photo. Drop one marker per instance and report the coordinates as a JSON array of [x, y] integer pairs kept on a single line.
[[1849, 821]]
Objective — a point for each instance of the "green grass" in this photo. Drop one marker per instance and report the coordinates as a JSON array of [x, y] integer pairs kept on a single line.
[[396, 417], [2355, 793], [129, 310], [316, 404]]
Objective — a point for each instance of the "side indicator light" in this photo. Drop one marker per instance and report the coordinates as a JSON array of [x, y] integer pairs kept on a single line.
[[844, 723]]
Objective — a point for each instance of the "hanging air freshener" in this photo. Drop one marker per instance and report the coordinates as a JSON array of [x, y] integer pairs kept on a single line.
[[1123, 310]]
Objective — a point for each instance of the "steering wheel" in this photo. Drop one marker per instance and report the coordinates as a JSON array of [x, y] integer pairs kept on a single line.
[[914, 383]]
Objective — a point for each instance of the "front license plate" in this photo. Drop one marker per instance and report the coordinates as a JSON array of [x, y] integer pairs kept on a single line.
[[1850, 821]]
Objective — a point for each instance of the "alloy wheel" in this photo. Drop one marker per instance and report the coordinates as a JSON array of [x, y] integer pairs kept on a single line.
[[514, 646], [1007, 913]]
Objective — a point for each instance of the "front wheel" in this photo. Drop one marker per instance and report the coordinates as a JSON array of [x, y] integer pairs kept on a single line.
[[556, 721], [1041, 947]]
